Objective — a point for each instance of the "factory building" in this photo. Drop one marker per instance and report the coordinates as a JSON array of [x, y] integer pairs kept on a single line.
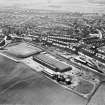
[[52, 62]]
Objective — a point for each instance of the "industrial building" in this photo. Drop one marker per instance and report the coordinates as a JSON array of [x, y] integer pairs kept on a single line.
[[52, 63]]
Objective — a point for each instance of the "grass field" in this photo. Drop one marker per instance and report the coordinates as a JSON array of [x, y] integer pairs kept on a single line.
[[22, 50]]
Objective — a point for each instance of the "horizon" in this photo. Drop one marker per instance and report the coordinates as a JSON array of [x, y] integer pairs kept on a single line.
[[85, 6]]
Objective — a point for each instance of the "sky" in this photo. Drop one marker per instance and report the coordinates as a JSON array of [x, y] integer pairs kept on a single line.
[[66, 5]]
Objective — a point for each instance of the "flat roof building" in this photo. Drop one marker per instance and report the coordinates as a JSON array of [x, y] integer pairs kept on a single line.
[[52, 62]]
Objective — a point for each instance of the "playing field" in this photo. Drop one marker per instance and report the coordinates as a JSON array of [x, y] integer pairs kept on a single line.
[[22, 50]]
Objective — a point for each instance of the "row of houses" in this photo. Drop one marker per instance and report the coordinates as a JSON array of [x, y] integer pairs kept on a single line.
[[93, 54], [61, 38], [94, 41]]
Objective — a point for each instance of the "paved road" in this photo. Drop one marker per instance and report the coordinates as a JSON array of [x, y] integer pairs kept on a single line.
[[19, 84]]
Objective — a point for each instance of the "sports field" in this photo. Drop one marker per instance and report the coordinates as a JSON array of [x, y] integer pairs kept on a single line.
[[21, 50]]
